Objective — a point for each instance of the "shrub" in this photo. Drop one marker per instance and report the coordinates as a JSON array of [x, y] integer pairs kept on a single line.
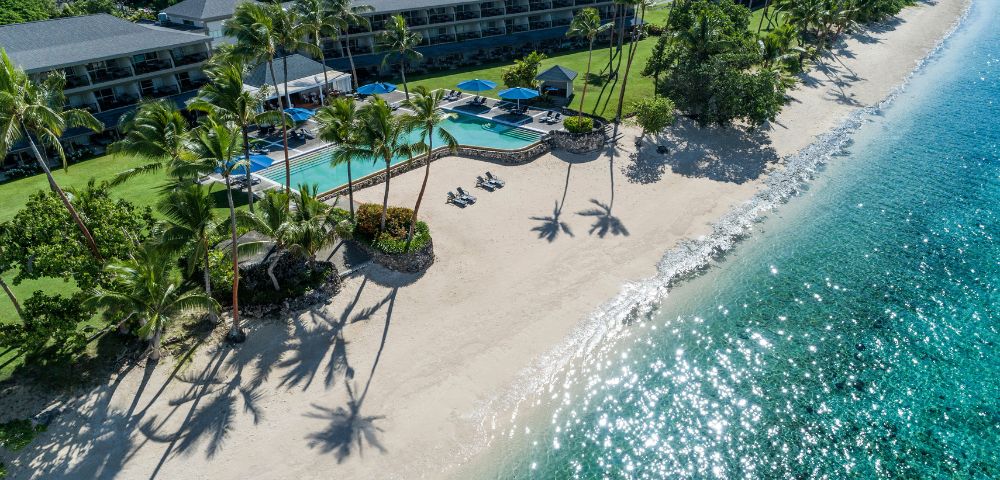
[[369, 216], [579, 124], [344, 229], [395, 245], [17, 434]]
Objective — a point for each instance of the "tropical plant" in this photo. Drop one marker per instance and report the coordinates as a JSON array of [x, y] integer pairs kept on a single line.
[[587, 24], [36, 111], [272, 219], [779, 48], [158, 132], [652, 115], [642, 5], [579, 124], [217, 143], [259, 32], [190, 227], [338, 123], [145, 289], [428, 119], [291, 34], [312, 226], [346, 14], [398, 39], [317, 21], [523, 72], [51, 327]]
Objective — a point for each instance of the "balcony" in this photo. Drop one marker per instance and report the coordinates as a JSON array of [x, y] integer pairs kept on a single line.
[[90, 107], [191, 58], [540, 6], [559, 22], [153, 65], [466, 15], [107, 75], [164, 91], [192, 84], [356, 29], [540, 25], [416, 21], [520, 28], [441, 18], [113, 103], [517, 9], [360, 49], [443, 39], [490, 32], [562, 3], [491, 12], [467, 35], [74, 81]]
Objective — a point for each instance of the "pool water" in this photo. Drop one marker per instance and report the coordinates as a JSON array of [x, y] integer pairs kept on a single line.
[[315, 169]]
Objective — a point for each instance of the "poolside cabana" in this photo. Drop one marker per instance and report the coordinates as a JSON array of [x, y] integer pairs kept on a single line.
[[305, 81], [557, 81]]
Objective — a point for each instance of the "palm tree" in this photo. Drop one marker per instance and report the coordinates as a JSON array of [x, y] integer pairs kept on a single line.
[[190, 223], [587, 24], [399, 40], [427, 118], [380, 137], [310, 230], [217, 143], [3, 269], [290, 34], [643, 5], [272, 220], [145, 288], [338, 123], [345, 15], [317, 21], [258, 41], [225, 97], [31, 111], [158, 132]]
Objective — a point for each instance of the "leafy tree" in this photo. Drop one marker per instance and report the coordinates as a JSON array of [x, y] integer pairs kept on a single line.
[[640, 6], [38, 244], [587, 24], [652, 115], [145, 288], [32, 111], [20, 11], [710, 66], [427, 118], [50, 323], [401, 42], [338, 123], [345, 14], [523, 72]]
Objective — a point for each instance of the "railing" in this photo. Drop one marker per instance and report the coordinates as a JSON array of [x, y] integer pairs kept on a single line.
[[90, 107], [467, 35], [540, 6], [101, 76], [355, 29], [441, 18], [521, 28], [466, 15], [561, 21], [444, 38], [517, 9], [191, 58], [73, 81], [562, 3], [489, 32], [167, 91], [540, 25], [416, 21], [491, 12], [116, 103], [585, 2], [151, 66], [188, 85]]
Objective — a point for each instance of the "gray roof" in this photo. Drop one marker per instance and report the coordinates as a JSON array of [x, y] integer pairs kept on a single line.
[[557, 73], [203, 9], [37, 46], [299, 66]]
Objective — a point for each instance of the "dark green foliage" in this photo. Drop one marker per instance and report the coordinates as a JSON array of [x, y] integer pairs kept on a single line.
[[395, 245], [50, 323], [397, 224], [579, 124], [523, 72], [709, 66], [41, 241], [19, 11], [295, 273], [874, 10], [17, 434]]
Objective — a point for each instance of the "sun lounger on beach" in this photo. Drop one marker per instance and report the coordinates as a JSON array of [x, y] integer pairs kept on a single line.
[[495, 180], [485, 184], [466, 196], [456, 200]]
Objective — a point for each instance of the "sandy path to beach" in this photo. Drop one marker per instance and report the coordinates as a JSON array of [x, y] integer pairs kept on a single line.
[[388, 380]]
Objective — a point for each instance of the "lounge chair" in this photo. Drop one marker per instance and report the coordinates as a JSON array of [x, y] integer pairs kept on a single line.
[[547, 118], [557, 118], [485, 184], [466, 196], [456, 200], [495, 180]]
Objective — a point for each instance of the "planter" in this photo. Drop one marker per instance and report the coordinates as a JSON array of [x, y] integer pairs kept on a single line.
[[577, 142], [413, 262]]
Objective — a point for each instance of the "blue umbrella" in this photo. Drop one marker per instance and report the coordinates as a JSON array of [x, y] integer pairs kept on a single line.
[[477, 85], [257, 163], [299, 115], [376, 88], [518, 93]]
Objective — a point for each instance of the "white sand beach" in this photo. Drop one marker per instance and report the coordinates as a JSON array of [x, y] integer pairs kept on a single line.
[[389, 379]]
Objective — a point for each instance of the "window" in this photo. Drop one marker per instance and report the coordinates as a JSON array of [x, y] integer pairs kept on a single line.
[[188, 23], [105, 95], [142, 57], [146, 88]]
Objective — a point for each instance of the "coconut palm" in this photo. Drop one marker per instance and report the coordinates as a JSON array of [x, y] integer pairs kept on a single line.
[[159, 133], [272, 220], [642, 5], [225, 97], [345, 15], [258, 41], [337, 125], [401, 41], [318, 22], [381, 137], [190, 223], [217, 143], [427, 118], [145, 289], [33, 111], [587, 24], [291, 34], [310, 229]]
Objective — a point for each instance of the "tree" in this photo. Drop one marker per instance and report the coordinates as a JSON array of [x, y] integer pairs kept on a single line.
[[652, 115], [21, 11], [427, 118], [158, 132], [632, 48], [272, 219], [50, 324], [338, 123], [290, 33], [30, 111], [190, 226], [144, 288], [711, 67], [310, 229], [5, 266], [318, 22], [258, 40], [346, 14], [217, 143], [523, 72], [587, 24], [401, 41]]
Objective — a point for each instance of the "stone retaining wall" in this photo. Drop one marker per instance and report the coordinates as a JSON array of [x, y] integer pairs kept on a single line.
[[577, 142], [413, 262]]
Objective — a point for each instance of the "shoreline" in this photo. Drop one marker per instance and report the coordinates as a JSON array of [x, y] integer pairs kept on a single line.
[[419, 370]]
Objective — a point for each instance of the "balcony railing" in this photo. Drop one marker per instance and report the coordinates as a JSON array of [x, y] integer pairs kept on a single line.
[[111, 104], [439, 18], [355, 29], [90, 107], [166, 91], [416, 21], [467, 35], [444, 38], [151, 66], [540, 25], [192, 84], [489, 32], [491, 12], [73, 81], [517, 9], [467, 15], [561, 21], [190, 58], [540, 6], [585, 2], [520, 28], [101, 76]]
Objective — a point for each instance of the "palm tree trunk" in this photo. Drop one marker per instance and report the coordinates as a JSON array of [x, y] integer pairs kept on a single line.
[[207, 274], [236, 334], [284, 68], [402, 71], [586, 77], [628, 67], [350, 58], [284, 128], [611, 44], [246, 151], [385, 198], [767, 3], [423, 187], [154, 350], [91, 244], [326, 80], [350, 189], [13, 298]]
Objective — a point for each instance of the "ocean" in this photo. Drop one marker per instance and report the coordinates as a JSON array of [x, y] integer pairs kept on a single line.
[[854, 333]]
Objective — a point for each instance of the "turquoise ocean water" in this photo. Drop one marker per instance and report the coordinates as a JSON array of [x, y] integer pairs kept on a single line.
[[854, 334]]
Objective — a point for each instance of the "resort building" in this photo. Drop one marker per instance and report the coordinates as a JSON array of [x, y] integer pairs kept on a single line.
[[109, 64]]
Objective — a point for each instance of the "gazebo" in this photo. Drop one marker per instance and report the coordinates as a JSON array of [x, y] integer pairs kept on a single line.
[[557, 81]]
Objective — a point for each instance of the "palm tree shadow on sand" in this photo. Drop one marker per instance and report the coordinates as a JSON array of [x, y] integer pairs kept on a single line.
[[347, 428], [552, 225], [604, 221]]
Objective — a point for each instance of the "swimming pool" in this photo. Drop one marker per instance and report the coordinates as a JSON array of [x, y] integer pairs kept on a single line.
[[314, 168]]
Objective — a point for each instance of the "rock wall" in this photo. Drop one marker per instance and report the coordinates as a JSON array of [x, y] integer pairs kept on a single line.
[[577, 142], [413, 262]]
